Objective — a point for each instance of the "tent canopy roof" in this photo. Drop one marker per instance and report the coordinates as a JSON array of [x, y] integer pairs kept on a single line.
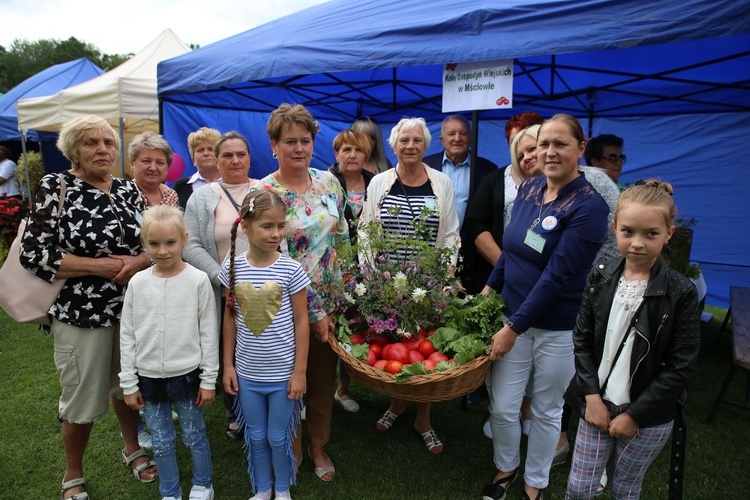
[[46, 82], [570, 56], [127, 91]]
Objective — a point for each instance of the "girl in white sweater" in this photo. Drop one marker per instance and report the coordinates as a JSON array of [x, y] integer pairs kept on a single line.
[[169, 341]]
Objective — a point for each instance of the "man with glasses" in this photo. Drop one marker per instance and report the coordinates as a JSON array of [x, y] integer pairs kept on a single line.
[[605, 151]]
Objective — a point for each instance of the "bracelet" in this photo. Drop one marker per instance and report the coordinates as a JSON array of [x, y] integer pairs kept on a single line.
[[513, 327]]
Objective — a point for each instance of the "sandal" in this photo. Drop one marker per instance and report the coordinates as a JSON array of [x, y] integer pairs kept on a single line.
[[602, 484], [386, 421], [497, 489], [539, 495], [321, 472], [73, 483], [431, 441], [138, 469]]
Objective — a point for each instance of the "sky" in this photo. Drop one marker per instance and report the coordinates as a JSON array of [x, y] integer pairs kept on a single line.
[[123, 27]]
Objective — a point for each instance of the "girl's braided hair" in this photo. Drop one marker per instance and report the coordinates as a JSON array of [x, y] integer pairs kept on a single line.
[[651, 193], [255, 203]]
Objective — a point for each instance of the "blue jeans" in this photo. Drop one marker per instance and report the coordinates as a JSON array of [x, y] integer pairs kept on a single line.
[[158, 417], [267, 412]]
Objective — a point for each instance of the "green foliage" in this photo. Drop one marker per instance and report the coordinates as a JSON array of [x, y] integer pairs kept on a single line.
[[36, 171], [677, 251], [24, 58], [369, 464]]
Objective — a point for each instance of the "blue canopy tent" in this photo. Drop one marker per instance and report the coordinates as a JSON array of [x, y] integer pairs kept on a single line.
[[46, 82], [671, 78]]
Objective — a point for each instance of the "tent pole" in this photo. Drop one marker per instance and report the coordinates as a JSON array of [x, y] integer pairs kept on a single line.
[[474, 153], [592, 100], [26, 164], [122, 147]]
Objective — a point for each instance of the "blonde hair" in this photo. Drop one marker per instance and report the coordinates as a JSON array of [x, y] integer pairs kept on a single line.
[[515, 165], [151, 141], [72, 134], [203, 134], [651, 193], [162, 215], [256, 202]]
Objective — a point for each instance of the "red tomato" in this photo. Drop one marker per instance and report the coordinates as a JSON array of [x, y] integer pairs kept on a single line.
[[398, 352], [371, 358], [415, 356], [437, 357], [422, 333], [429, 365], [393, 366], [412, 343], [426, 348], [380, 364], [375, 348], [357, 338], [384, 351]]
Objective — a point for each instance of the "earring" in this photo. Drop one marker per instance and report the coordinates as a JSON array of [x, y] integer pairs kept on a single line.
[[312, 156], [275, 156]]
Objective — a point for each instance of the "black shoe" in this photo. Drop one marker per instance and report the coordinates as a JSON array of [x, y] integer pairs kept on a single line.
[[234, 434], [539, 495], [497, 490]]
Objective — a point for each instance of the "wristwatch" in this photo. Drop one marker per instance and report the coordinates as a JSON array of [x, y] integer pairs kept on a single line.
[[513, 327]]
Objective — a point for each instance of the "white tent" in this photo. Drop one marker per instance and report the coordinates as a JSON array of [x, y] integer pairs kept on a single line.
[[125, 96]]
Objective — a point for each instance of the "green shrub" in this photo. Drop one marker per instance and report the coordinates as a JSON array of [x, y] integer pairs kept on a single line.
[[36, 171]]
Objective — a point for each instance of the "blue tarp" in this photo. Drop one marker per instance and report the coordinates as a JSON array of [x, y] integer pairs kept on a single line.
[[47, 82], [670, 77]]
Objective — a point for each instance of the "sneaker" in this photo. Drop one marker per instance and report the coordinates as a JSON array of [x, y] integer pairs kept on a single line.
[[201, 493], [348, 404], [487, 429], [144, 439], [602, 484], [262, 495], [282, 495], [561, 454], [171, 498]]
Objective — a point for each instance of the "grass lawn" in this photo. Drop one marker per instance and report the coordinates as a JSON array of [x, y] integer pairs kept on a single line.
[[369, 465]]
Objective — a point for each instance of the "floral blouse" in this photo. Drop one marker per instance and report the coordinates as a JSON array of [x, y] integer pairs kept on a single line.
[[315, 239], [93, 224]]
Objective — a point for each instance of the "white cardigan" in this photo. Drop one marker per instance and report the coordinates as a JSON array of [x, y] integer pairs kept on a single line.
[[381, 184]]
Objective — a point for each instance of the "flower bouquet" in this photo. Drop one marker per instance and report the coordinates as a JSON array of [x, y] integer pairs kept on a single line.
[[401, 291], [12, 212]]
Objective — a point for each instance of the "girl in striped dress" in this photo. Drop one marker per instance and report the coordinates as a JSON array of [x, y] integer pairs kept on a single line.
[[266, 337]]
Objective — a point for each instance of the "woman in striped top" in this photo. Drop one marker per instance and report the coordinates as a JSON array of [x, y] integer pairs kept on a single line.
[[396, 197], [266, 338]]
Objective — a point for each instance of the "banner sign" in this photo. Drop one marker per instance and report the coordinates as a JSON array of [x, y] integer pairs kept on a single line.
[[479, 85]]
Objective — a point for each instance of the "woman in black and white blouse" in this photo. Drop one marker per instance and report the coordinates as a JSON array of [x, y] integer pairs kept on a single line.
[[95, 244]]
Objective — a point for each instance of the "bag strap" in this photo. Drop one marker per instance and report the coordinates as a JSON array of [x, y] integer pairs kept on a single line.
[[234, 203], [63, 190], [622, 346]]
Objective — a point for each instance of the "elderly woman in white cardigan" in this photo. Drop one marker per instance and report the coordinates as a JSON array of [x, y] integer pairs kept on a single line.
[[209, 215], [411, 186]]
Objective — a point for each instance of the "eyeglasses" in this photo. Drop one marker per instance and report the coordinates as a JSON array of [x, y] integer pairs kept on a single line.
[[614, 157]]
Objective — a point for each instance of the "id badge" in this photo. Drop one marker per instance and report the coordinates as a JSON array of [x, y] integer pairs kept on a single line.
[[534, 241], [333, 210], [430, 204]]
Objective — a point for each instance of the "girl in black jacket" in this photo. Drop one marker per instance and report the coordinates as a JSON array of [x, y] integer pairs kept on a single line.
[[636, 339]]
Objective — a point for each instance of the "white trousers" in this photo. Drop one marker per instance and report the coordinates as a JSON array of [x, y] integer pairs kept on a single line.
[[551, 355]]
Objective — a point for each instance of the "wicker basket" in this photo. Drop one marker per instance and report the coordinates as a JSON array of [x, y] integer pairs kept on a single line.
[[440, 386]]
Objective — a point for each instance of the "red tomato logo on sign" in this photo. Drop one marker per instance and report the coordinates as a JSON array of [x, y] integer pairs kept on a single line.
[[502, 101]]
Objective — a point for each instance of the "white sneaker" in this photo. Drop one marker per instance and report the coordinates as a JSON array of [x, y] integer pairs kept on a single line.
[[144, 439], [487, 429], [282, 495], [202, 493], [171, 498], [262, 495], [348, 404]]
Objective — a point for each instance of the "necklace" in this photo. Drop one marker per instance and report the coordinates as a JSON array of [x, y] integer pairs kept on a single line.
[[539, 217], [300, 196]]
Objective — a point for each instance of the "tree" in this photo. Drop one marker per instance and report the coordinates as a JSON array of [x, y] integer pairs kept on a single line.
[[24, 58]]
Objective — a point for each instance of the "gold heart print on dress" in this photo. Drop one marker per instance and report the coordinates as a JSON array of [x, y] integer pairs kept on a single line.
[[258, 307]]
